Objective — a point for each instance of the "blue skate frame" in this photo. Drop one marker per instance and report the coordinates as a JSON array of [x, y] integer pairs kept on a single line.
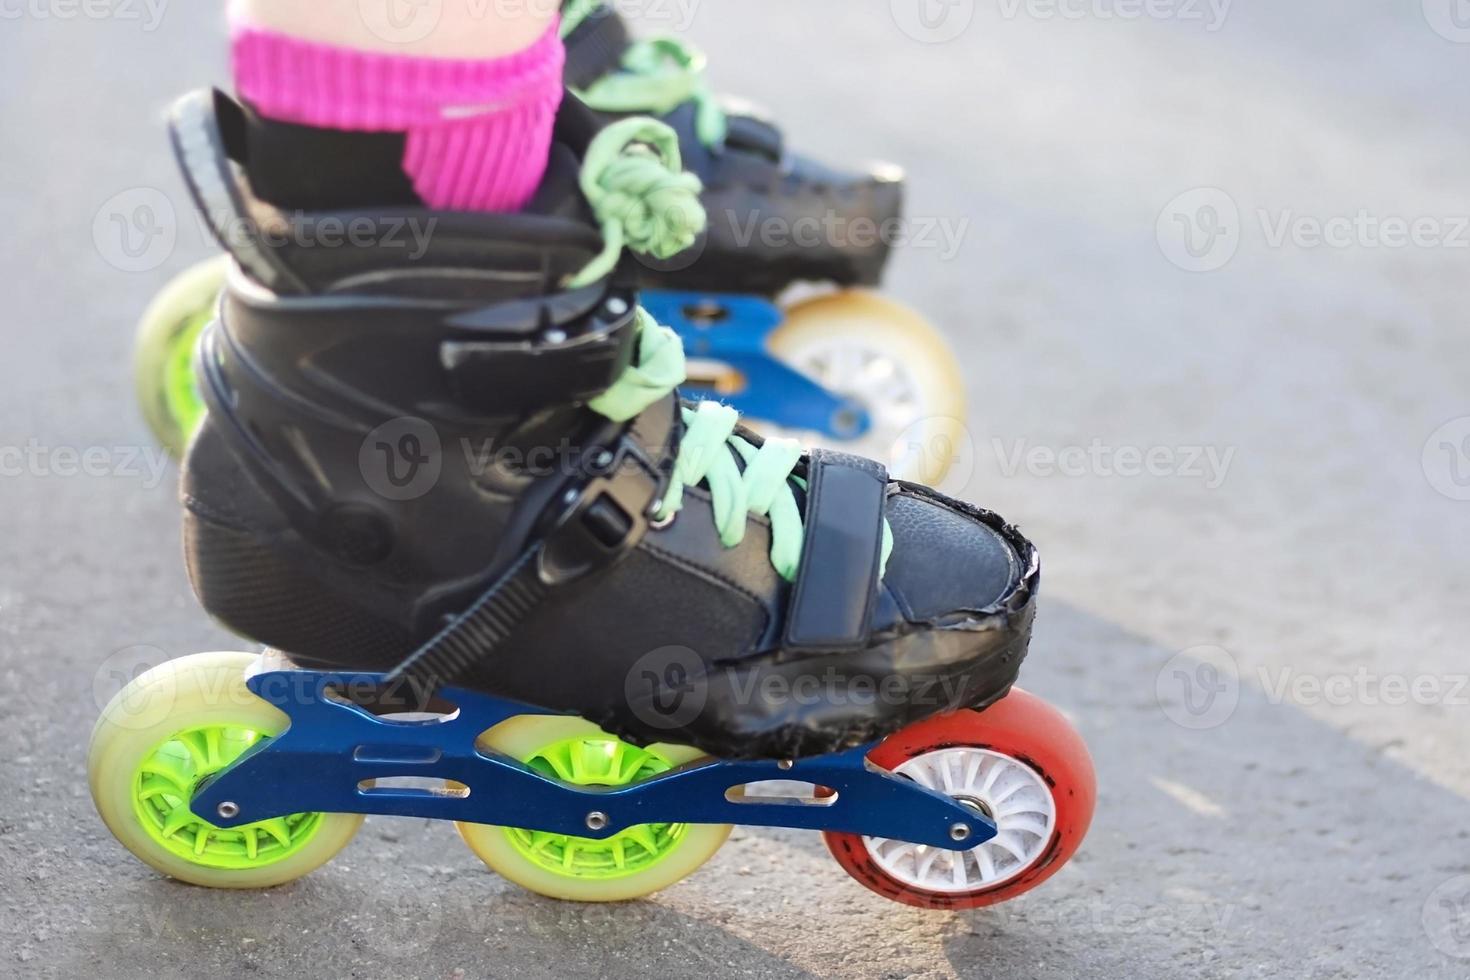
[[738, 336], [333, 749]]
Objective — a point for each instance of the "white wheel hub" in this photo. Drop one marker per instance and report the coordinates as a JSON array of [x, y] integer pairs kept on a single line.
[[1007, 790], [875, 379]]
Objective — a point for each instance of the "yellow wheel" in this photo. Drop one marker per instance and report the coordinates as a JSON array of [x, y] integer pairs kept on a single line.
[[163, 359], [636, 862], [885, 356], [159, 738]]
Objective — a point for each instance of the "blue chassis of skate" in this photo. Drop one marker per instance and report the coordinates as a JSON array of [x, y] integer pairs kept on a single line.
[[740, 339], [327, 758]]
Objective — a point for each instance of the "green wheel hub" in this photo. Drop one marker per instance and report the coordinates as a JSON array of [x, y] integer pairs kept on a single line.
[[181, 396], [598, 762], [167, 780]]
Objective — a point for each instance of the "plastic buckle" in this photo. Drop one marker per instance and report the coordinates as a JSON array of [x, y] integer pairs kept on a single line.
[[604, 515]]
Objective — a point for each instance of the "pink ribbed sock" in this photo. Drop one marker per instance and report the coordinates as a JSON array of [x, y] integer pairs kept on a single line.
[[477, 132]]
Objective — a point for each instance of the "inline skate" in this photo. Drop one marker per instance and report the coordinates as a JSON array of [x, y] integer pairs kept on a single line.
[[509, 578], [840, 366]]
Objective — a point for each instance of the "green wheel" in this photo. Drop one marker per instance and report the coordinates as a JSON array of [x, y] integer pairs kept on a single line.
[[163, 364], [635, 862], [159, 738]]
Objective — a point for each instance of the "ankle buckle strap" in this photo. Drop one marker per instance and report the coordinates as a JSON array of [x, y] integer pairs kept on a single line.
[[604, 514]]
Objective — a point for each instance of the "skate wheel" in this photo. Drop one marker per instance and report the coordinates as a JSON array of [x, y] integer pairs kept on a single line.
[[889, 359], [1020, 762], [163, 361], [636, 862], [163, 734]]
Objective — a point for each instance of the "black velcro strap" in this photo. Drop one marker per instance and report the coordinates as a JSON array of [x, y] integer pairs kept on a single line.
[[595, 47], [205, 128], [837, 582]]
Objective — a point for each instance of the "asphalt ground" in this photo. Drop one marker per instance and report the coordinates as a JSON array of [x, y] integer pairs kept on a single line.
[[1204, 270]]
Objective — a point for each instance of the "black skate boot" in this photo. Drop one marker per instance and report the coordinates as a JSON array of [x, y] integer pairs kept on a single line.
[[471, 465], [758, 194]]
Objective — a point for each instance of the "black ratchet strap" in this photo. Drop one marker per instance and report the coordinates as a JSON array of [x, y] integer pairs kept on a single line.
[[837, 583], [598, 518]]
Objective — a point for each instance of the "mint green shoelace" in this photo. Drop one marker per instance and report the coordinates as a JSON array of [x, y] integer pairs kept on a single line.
[[642, 200], [658, 75], [634, 179]]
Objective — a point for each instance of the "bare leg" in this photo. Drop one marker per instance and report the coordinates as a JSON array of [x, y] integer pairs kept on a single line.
[[479, 29]]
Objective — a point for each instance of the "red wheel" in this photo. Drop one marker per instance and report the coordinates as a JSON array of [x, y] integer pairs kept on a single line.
[[1021, 763]]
